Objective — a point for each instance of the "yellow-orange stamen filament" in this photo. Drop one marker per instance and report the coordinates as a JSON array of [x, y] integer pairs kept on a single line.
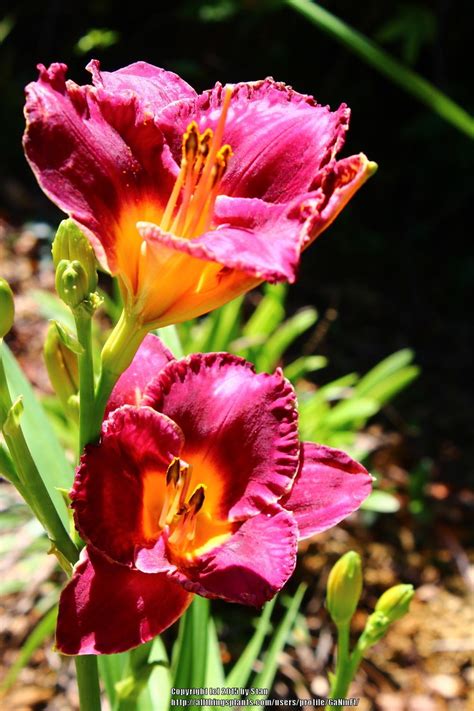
[[178, 476], [203, 164], [184, 529]]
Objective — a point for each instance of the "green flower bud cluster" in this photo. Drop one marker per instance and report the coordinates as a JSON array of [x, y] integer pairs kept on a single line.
[[75, 263], [343, 594], [7, 308]]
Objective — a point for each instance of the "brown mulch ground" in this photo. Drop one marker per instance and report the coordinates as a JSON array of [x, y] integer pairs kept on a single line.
[[423, 664]]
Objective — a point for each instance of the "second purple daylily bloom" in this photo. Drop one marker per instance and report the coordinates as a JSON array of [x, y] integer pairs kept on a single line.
[[199, 484]]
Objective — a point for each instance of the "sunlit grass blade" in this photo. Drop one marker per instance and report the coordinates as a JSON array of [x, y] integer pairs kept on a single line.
[[393, 363], [189, 665], [383, 62], [41, 632], [48, 455], [264, 679], [170, 337], [111, 667], [283, 337], [269, 313], [159, 683], [215, 676], [301, 367], [240, 673]]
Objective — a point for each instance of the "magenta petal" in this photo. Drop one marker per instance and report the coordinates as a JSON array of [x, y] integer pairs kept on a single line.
[[252, 236], [252, 566], [154, 85], [329, 486], [151, 357], [240, 429], [107, 608], [119, 486], [280, 138], [94, 154]]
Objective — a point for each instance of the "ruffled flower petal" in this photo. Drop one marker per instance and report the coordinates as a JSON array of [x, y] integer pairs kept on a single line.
[[239, 427], [150, 358], [107, 608], [280, 138], [260, 239], [329, 486], [100, 157], [252, 566], [119, 488], [155, 86]]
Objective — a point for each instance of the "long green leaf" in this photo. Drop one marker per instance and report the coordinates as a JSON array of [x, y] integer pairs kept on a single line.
[[170, 337], [112, 667], [269, 313], [41, 632], [283, 337], [354, 410], [189, 667], [159, 683], [45, 449], [392, 364], [240, 673], [302, 366], [264, 679], [393, 384], [384, 63], [215, 676]]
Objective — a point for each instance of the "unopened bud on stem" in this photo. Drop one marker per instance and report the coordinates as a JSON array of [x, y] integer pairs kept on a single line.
[[7, 308], [394, 602], [392, 605], [72, 245], [72, 283], [62, 367], [344, 588]]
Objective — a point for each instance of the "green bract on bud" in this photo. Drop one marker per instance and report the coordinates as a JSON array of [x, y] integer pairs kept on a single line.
[[72, 245], [394, 603], [375, 628], [7, 308], [344, 587], [62, 367]]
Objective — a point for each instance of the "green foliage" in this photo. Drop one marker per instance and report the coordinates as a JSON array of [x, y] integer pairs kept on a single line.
[[96, 39], [384, 63], [53, 467]]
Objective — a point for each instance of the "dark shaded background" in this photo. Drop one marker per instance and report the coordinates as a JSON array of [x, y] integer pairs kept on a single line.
[[398, 264]]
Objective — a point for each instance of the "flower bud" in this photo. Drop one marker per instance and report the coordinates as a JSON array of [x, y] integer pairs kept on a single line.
[[61, 364], [344, 587], [394, 602], [7, 308], [72, 283], [72, 245]]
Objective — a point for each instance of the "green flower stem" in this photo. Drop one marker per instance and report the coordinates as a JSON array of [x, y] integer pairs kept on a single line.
[[32, 487], [384, 63], [343, 676], [117, 354], [87, 672], [86, 377], [88, 683]]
